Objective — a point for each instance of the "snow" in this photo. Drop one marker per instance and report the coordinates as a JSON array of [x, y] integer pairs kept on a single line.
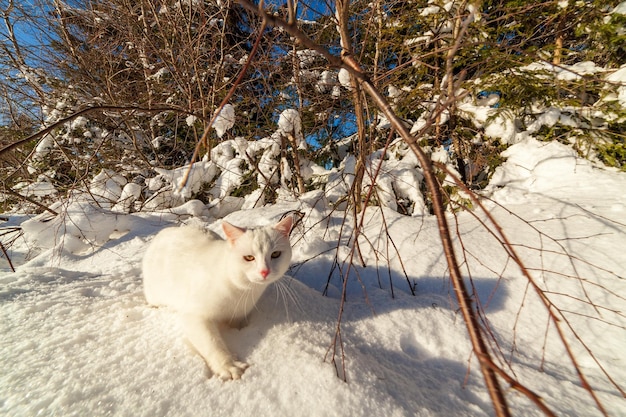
[[430, 10], [565, 72], [327, 79], [79, 123], [344, 78], [619, 78], [130, 193], [620, 8], [191, 120], [306, 57], [185, 181], [107, 186], [38, 189], [224, 120], [289, 122], [44, 147], [78, 338]]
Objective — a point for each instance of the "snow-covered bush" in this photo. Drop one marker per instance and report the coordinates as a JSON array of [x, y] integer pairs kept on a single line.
[[79, 228], [292, 126]]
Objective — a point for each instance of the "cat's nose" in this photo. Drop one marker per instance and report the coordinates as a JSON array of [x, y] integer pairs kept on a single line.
[[265, 273]]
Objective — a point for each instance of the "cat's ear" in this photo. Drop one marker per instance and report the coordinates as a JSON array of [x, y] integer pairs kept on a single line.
[[284, 226], [232, 232]]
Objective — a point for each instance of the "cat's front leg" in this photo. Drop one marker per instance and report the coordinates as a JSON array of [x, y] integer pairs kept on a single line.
[[206, 338]]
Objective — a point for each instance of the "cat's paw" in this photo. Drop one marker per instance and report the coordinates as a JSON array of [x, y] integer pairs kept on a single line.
[[231, 370]]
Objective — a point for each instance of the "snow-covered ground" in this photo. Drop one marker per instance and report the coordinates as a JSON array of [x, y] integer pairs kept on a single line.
[[79, 340]]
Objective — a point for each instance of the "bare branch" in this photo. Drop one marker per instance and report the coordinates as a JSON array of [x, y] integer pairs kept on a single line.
[[349, 63]]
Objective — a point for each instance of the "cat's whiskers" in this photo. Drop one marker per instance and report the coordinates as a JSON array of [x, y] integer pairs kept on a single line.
[[288, 295], [291, 292], [245, 297], [255, 305], [280, 291]]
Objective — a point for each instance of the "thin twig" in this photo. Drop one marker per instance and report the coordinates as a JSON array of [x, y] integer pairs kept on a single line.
[[228, 96], [349, 63], [6, 255], [555, 314], [30, 200]]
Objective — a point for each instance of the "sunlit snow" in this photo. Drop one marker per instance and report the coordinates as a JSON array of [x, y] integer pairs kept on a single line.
[[78, 338]]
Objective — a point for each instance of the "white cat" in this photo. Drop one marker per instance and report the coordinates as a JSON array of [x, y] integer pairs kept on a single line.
[[213, 282]]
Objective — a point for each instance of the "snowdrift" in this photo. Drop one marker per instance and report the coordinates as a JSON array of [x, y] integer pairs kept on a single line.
[[78, 338]]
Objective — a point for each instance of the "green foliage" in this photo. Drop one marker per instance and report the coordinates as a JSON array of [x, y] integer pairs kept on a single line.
[[614, 155], [613, 151], [606, 38]]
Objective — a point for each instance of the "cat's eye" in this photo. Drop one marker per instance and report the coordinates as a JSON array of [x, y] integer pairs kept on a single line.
[[249, 258], [275, 254]]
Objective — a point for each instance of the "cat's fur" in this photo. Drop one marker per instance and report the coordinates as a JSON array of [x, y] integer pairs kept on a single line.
[[213, 282]]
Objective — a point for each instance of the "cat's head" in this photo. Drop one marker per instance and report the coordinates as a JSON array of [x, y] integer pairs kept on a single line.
[[262, 254]]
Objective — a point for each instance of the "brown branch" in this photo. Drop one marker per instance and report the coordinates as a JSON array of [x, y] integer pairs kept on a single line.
[[30, 200], [473, 327], [230, 93], [6, 255], [555, 314], [296, 163]]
